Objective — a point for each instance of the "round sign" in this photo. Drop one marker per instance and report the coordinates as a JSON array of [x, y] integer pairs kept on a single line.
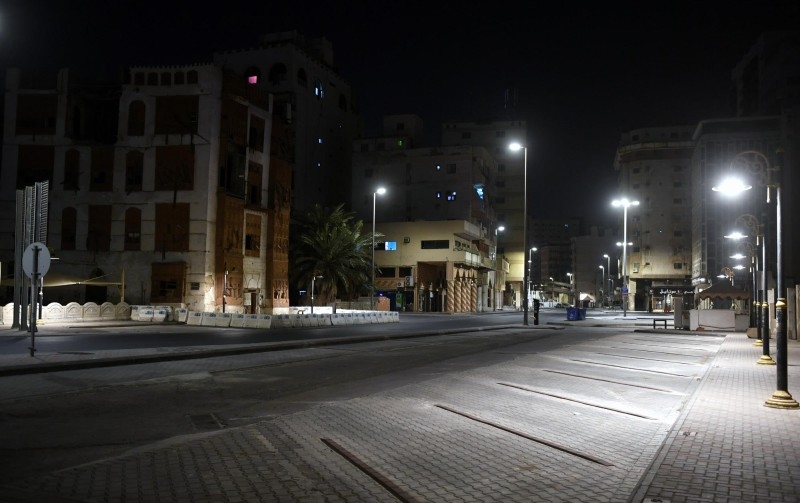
[[43, 262]]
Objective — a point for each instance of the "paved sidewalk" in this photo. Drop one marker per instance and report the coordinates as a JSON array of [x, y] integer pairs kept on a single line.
[[725, 446]]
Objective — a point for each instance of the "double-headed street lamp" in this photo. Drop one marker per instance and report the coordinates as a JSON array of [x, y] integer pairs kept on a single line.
[[515, 147], [381, 191], [757, 162], [625, 203]]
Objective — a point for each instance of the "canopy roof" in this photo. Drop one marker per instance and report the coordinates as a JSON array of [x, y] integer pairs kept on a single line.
[[724, 290]]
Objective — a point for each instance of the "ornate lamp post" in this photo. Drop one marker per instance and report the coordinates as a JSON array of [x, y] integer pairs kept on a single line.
[[757, 163]]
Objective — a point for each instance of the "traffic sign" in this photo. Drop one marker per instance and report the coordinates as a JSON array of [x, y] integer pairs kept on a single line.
[[43, 262]]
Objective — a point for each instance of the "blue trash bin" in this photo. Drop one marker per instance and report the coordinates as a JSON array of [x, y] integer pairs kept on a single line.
[[572, 314]]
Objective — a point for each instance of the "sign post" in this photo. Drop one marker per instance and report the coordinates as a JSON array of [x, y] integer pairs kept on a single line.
[[35, 264]]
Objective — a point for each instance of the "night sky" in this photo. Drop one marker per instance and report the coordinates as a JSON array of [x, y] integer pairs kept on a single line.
[[581, 75]]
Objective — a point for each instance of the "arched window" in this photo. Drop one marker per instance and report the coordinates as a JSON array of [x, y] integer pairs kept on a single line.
[[319, 91], [69, 220], [277, 74], [133, 229], [166, 79], [191, 77], [136, 118], [252, 75], [72, 169], [152, 79], [179, 78], [302, 78]]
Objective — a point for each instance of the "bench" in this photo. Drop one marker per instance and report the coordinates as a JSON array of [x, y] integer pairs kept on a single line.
[[659, 321]]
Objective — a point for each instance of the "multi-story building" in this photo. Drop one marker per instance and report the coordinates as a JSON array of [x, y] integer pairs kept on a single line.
[[158, 186], [509, 185], [301, 75], [443, 196], [590, 268], [654, 167]]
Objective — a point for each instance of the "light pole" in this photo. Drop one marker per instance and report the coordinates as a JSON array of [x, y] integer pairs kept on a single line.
[[530, 261], [312, 291], [499, 229], [515, 147], [758, 162], [608, 268], [571, 291], [381, 191], [552, 289], [625, 203], [603, 284]]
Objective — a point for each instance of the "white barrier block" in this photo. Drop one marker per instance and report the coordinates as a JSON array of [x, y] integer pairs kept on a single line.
[[324, 320], [251, 321], [194, 318], [264, 321], [237, 320], [223, 320], [395, 317], [146, 314], [210, 319], [181, 315], [159, 316]]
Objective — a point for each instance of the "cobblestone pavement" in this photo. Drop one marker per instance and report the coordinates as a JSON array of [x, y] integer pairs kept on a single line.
[[655, 416]]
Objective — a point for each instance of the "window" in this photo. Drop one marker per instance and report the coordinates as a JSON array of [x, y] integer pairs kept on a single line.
[[438, 194], [101, 178], [133, 229], [176, 114], [405, 271], [385, 272], [255, 138], [167, 282], [252, 236], [72, 169], [319, 90], [69, 219], [451, 195], [677, 265], [435, 244], [134, 166], [136, 113], [465, 135], [252, 75], [179, 78], [500, 134], [277, 74], [152, 79], [98, 237], [172, 227], [166, 78], [254, 183], [174, 168]]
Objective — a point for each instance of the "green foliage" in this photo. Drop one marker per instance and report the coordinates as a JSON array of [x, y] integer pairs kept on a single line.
[[331, 243]]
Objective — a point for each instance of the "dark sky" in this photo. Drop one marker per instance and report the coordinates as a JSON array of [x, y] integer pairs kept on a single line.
[[581, 75]]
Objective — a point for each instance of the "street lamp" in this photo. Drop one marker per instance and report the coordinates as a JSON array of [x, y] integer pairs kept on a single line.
[[515, 147], [530, 261], [625, 203], [608, 268], [571, 294], [312, 291], [757, 163], [603, 284], [552, 289], [381, 191]]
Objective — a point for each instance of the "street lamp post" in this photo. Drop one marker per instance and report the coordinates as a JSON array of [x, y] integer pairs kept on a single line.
[[515, 147], [312, 291], [380, 191], [571, 291], [757, 162], [530, 261], [625, 203], [552, 289], [608, 268], [603, 284]]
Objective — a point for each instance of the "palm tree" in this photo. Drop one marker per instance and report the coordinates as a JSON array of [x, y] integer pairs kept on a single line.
[[330, 243]]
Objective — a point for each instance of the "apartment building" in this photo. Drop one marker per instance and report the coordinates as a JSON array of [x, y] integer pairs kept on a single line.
[[158, 186]]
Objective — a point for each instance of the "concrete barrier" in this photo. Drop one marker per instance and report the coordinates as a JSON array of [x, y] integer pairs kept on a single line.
[[194, 318], [251, 321], [210, 319], [237, 320], [181, 315], [223, 320], [264, 321], [159, 315], [324, 320], [146, 313]]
